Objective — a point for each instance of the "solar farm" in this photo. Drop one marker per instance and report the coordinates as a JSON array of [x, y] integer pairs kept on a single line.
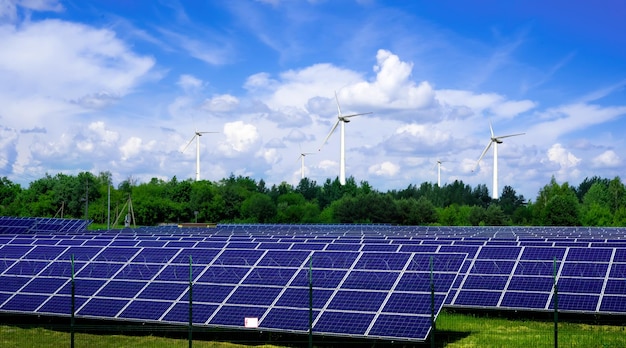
[[367, 282]]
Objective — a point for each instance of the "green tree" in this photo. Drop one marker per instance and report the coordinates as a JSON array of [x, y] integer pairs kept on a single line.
[[562, 210], [258, 208]]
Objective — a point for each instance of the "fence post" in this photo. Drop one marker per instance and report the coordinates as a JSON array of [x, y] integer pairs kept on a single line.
[[311, 301], [432, 305], [190, 302], [555, 296], [73, 304]]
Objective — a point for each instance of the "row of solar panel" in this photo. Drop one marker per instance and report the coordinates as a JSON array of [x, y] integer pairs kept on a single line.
[[277, 283]]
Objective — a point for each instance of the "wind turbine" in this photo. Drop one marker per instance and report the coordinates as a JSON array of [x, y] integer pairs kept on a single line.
[[302, 155], [438, 164], [343, 119], [197, 136], [495, 140]]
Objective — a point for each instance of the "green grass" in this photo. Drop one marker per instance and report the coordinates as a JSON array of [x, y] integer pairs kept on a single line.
[[453, 330], [17, 337], [476, 331]]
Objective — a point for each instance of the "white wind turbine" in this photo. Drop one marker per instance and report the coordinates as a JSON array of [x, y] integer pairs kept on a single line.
[[495, 140], [197, 136], [438, 165], [343, 119], [301, 158]]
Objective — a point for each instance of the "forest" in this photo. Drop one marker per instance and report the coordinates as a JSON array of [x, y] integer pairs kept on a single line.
[[594, 202]]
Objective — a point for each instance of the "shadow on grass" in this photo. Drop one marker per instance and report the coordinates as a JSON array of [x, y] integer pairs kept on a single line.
[[199, 333]]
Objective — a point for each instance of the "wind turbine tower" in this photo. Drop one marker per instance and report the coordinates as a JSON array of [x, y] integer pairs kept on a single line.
[[438, 164], [495, 140], [302, 155], [197, 136], [343, 119]]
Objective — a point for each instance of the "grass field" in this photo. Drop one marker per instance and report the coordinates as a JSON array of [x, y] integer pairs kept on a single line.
[[453, 330]]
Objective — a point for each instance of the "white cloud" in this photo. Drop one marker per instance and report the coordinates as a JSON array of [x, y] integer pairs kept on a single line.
[[189, 82], [566, 161], [607, 159], [392, 87], [240, 138], [480, 103], [384, 169], [9, 8], [221, 103], [135, 146]]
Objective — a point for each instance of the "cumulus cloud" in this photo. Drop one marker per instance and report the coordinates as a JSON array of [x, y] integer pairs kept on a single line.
[[417, 138], [566, 161], [221, 103], [189, 83], [135, 146], [240, 138], [607, 159], [483, 102], [392, 87], [384, 169]]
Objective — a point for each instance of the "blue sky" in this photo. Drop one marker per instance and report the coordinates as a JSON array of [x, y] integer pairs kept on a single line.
[[121, 86]]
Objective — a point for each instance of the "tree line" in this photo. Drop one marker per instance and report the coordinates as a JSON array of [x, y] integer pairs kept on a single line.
[[594, 202]]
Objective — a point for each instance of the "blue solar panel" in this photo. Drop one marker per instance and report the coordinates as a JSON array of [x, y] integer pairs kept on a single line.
[[235, 315], [288, 319], [403, 326], [102, 307], [344, 323], [358, 273], [580, 269], [383, 261], [180, 313], [409, 303], [580, 285], [270, 276], [121, 289], [24, 302], [529, 283], [616, 287], [525, 300], [43, 285], [573, 302], [485, 282], [587, 254], [61, 305], [223, 275], [151, 310], [209, 293], [370, 280], [163, 291], [613, 304], [299, 298], [479, 299], [254, 295], [179, 273], [365, 301]]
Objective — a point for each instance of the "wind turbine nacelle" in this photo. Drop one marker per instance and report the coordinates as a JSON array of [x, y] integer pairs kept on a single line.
[[496, 140]]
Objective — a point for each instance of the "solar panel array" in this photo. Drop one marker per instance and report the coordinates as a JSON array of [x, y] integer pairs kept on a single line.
[[10, 225], [369, 281], [365, 293]]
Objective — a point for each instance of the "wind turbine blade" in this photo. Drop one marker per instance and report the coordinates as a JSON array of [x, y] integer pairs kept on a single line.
[[491, 129], [338, 107], [189, 143], [508, 136], [329, 134], [364, 113], [483, 154]]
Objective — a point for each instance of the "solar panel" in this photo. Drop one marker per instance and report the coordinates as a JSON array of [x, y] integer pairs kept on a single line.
[[128, 278], [375, 277]]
